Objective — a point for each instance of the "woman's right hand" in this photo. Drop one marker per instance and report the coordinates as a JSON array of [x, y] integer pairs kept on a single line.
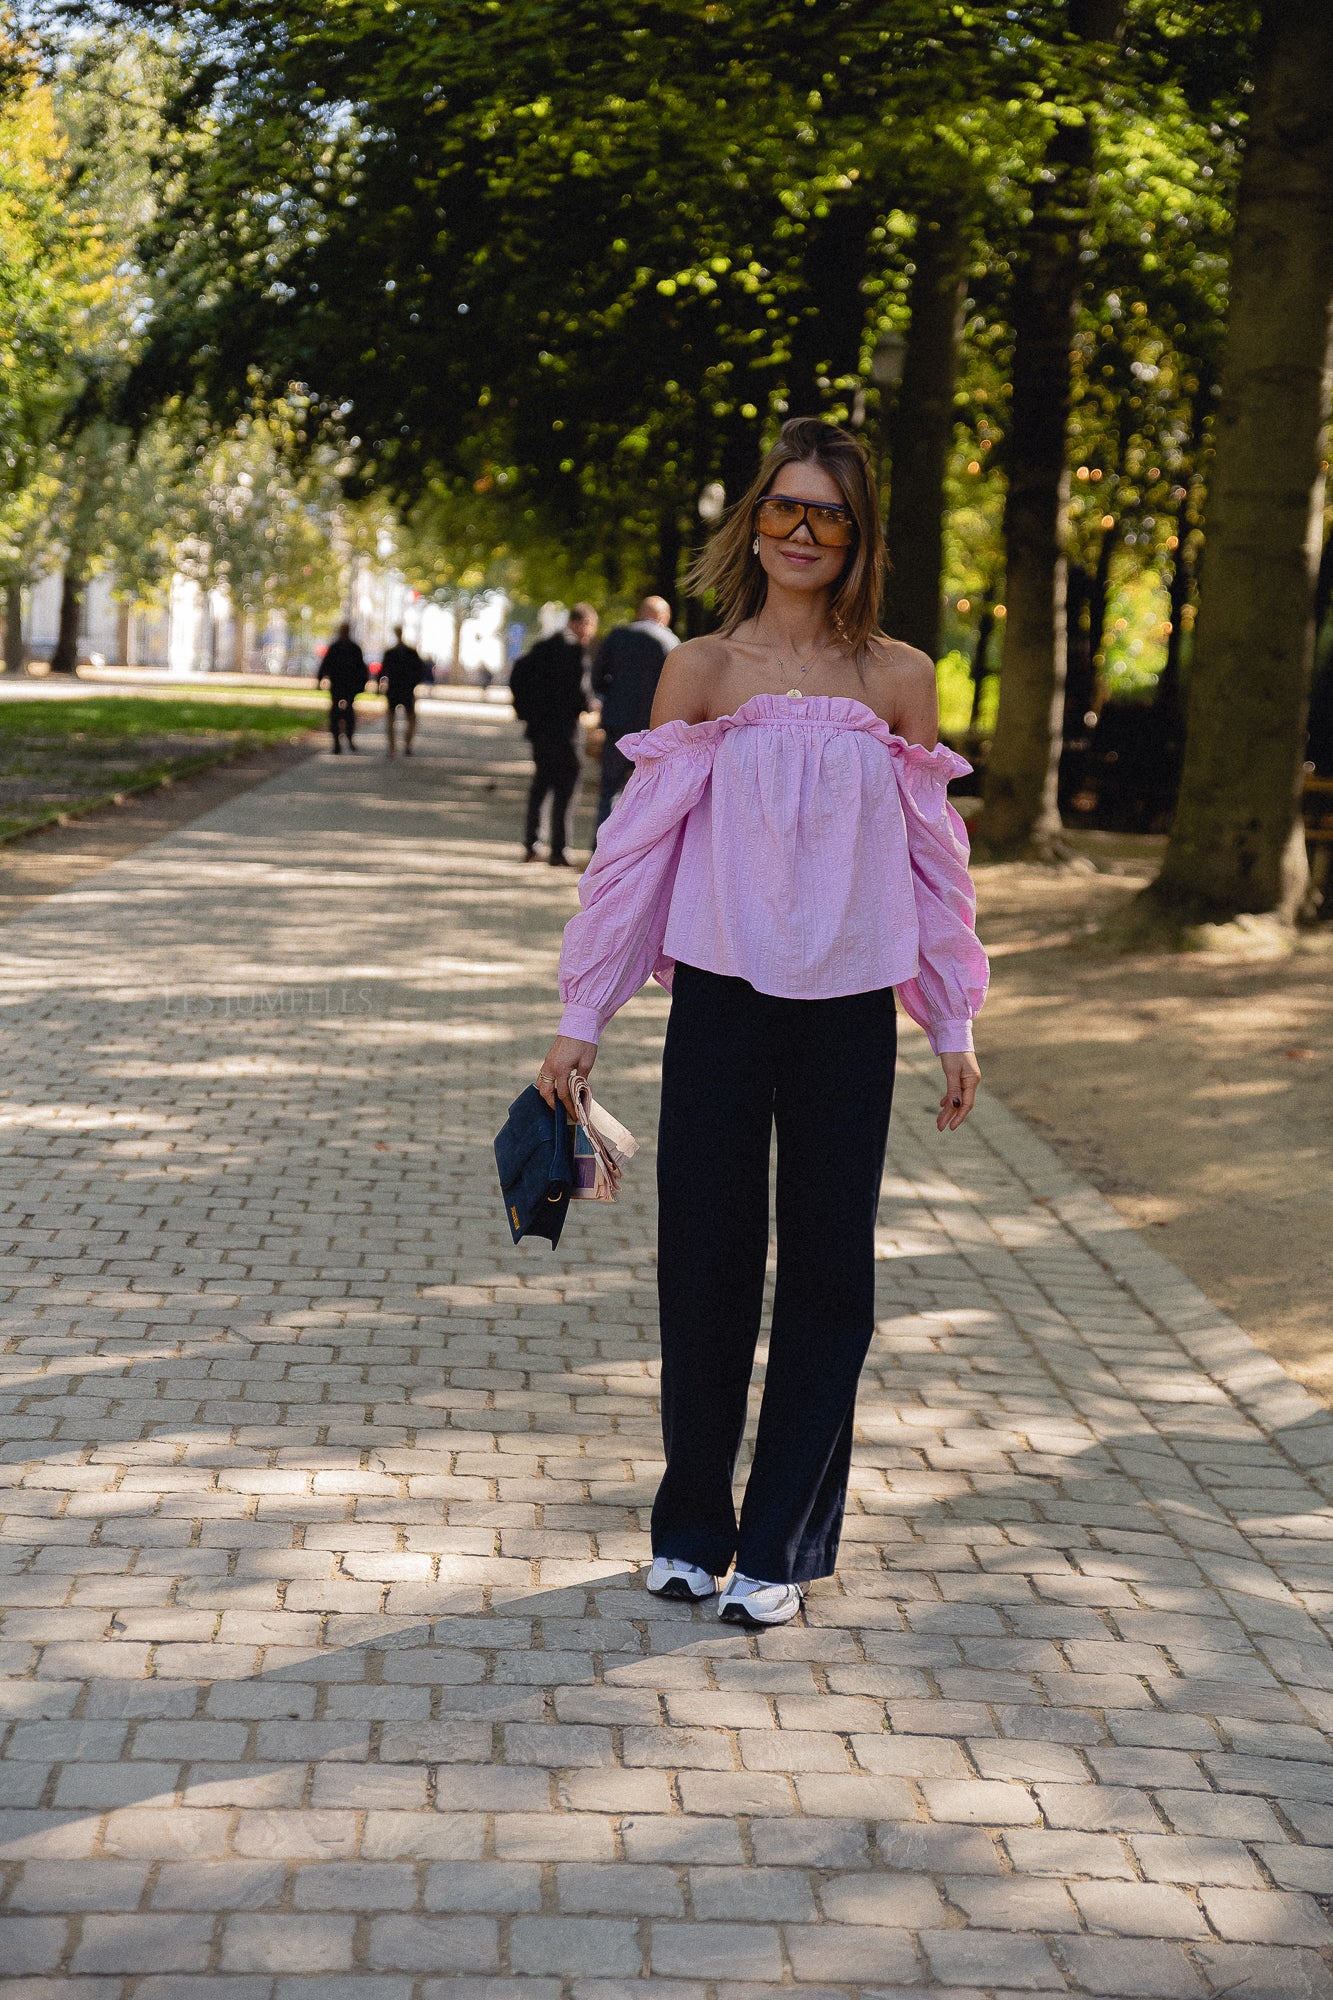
[[564, 1059]]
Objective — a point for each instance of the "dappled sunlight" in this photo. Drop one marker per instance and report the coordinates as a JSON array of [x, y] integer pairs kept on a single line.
[[328, 1508]]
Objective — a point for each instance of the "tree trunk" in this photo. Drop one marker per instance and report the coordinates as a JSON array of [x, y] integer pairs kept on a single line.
[[1021, 809], [13, 628], [922, 431], [1236, 842], [1080, 672], [124, 616], [65, 659], [1323, 590], [826, 340]]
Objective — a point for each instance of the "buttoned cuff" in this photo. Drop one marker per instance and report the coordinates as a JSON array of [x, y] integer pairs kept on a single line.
[[581, 1024], [952, 1038]]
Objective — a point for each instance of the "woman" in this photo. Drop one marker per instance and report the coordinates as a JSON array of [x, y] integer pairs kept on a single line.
[[782, 858]]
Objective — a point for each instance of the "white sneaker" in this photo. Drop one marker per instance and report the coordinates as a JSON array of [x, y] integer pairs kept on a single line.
[[671, 1578], [748, 1601]]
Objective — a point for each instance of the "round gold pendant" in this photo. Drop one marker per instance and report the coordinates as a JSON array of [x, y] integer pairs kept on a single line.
[[795, 694]]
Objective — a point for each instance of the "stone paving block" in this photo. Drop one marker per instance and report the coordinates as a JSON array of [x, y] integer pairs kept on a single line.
[[218, 1885], [1194, 1859], [561, 1837], [300, 1407], [895, 1901], [1066, 1852], [356, 1885], [1212, 1813], [714, 1951], [692, 1837], [861, 1957], [31, 1944], [1134, 1969], [810, 1843], [1294, 1867], [145, 1944], [194, 1986], [1263, 1972], [978, 1803], [1138, 1909], [991, 1958], [1013, 1903], [353, 1986], [280, 1943], [407, 1943], [74, 1885], [573, 1945], [1259, 1916], [1100, 1808], [626, 1889]]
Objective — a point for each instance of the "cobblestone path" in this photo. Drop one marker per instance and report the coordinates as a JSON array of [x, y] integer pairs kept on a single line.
[[329, 1670]]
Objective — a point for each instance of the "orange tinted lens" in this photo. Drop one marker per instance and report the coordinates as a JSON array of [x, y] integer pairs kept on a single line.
[[830, 526], [778, 517]]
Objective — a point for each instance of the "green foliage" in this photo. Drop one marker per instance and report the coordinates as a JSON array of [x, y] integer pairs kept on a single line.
[[533, 277], [61, 757]]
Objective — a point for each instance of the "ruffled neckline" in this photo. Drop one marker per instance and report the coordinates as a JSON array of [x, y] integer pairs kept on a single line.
[[813, 711]]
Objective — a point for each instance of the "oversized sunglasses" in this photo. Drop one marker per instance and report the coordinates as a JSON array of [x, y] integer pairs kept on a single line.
[[778, 518]]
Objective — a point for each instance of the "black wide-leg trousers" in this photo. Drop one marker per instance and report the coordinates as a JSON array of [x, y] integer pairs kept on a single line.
[[738, 1064]]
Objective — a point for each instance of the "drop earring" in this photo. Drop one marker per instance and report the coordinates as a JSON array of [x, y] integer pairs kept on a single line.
[[754, 546]]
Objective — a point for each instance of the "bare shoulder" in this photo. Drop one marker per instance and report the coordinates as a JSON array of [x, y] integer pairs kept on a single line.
[[904, 679], [688, 678]]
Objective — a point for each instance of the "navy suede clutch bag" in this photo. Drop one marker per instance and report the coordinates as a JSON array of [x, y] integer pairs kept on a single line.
[[536, 1163]]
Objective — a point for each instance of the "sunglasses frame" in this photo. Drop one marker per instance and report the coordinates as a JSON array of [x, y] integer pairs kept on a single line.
[[825, 506]]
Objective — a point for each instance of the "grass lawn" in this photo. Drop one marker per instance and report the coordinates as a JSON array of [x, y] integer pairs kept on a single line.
[[59, 757]]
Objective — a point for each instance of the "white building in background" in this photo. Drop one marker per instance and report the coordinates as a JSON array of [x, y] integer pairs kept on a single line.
[[196, 630]]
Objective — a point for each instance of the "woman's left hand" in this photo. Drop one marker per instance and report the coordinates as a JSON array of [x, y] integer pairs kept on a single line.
[[962, 1074]]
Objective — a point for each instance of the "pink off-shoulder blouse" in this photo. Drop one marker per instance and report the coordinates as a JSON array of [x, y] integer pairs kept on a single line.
[[797, 844]]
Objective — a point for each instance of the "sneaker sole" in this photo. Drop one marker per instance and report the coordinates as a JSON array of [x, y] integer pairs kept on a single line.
[[736, 1614], [678, 1588]]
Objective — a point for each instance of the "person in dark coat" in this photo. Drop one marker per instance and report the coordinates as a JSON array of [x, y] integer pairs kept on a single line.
[[549, 692], [402, 672], [624, 678], [344, 668]]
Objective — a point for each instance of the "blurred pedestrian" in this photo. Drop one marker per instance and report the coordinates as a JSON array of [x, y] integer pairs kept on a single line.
[[550, 692], [624, 678], [402, 672], [344, 668]]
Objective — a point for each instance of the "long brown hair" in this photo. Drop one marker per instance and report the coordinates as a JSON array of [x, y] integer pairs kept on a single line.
[[729, 566]]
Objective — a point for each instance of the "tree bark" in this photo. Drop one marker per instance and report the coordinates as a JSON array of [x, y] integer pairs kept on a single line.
[[1021, 798], [827, 338], [1323, 590], [13, 628], [1235, 844], [65, 659], [922, 431]]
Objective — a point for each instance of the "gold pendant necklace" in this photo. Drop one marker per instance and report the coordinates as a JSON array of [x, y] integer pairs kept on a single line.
[[798, 693]]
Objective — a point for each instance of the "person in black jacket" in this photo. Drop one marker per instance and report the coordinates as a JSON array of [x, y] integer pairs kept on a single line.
[[624, 678], [344, 668], [402, 672], [549, 695]]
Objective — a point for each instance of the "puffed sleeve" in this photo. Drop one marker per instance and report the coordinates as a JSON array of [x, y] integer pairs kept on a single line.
[[615, 942], [953, 972]]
